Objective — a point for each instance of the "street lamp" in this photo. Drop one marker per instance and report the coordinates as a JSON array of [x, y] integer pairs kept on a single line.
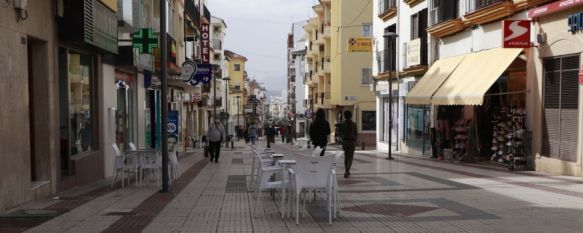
[[238, 105], [226, 109], [390, 36]]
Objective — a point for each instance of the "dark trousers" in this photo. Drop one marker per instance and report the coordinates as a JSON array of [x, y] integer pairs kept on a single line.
[[215, 150], [348, 147]]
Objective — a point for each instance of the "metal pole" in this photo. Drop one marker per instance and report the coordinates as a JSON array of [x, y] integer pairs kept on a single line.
[[214, 96], [164, 97], [390, 142], [227, 105]]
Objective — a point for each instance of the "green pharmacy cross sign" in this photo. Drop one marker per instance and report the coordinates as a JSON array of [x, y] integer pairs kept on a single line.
[[145, 40]]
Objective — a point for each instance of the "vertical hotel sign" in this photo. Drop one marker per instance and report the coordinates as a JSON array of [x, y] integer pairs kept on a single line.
[[205, 42]]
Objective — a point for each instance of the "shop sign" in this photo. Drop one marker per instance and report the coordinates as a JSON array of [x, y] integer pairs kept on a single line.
[[123, 76], [144, 61], [553, 8], [145, 40], [581, 75], [203, 74], [414, 52], [575, 22], [187, 71], [196, 97], [350, 98], [515, 33], [173, 123], [205, 42], [360, 45]]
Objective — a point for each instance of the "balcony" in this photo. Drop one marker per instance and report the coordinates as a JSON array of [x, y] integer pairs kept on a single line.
[[485, 11], [412, 3], [327, 33], [327, 66], [443, 22], [387, 9], [314, 49], [386, 64], [217, 45], [235, 88]]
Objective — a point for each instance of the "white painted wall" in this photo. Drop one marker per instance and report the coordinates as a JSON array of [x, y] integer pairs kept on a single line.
[[109, 99]]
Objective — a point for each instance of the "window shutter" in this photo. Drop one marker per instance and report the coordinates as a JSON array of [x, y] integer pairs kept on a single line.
[[561, 103]]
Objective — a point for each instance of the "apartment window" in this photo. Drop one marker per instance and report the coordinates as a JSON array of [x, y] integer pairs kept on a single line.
[[443, 10], [366, 76], [366, 30], [237, 67], [77, 103], [389, 55], [418, 30], [369, 122]]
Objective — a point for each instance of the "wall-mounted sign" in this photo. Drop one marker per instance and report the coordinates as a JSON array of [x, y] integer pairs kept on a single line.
[[350, 98], [581, 75], [552, 8], [515, 33], [205, 42], [188, 70], [173, 123], [203, 74], [360, 45], [414, 52], [575, 22], [145, 40]]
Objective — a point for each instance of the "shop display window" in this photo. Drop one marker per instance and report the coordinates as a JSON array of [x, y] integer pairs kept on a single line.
[[369, 121]]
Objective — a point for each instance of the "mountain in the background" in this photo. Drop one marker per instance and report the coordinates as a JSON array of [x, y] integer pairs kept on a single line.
[[270, 93]]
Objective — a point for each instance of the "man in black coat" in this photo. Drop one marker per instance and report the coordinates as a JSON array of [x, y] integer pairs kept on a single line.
[[319, 131]]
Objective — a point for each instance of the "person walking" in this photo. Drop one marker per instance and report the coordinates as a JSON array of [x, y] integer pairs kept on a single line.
[[253, 133], [215, 136], [319, 131], [270, 135], [282, 132], [349, 134]]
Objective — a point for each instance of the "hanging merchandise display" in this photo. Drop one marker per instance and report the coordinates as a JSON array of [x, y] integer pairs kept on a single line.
[[461, 139], [508, 147]]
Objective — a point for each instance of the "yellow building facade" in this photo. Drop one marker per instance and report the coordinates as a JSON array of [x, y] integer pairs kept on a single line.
[[236, 99], [339, 66]]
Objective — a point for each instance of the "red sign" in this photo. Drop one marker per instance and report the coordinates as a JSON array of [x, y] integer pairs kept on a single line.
[[581, 75], [127, 77], [516, 34], [552, 8], [205, 42]]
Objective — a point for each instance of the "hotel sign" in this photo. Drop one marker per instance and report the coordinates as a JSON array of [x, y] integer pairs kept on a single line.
[[205, 42]]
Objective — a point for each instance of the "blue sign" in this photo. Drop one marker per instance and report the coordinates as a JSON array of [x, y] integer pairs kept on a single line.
[[173, 123], [575, 22], [203, 74]]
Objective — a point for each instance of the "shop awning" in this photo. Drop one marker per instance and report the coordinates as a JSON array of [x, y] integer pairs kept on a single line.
[[432, 80], [474, 76]]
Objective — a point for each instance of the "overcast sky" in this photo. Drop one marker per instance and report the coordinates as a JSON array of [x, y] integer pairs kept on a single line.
[[257, 29]]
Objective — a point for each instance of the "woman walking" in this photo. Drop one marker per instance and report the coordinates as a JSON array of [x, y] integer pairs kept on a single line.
[[319, 131], [215, 136]]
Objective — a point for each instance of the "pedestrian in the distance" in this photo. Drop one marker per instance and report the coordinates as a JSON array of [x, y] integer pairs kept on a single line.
[[282, 131], [349, 135], [319, 131], [215, 136], [252, 133], [270, 135]]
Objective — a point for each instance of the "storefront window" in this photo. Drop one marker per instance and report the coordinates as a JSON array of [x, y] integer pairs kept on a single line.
[[369, 121], [417, 133], [76, 102]]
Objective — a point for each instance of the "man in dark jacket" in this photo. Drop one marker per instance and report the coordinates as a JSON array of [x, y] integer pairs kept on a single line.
[[319, 131], [349, 135], [270, 135]]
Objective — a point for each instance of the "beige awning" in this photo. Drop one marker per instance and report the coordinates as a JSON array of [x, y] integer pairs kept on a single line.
[[432, 80], [474, 76]]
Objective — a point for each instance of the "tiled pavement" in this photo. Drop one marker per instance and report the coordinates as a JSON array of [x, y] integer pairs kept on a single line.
[[403, 195]]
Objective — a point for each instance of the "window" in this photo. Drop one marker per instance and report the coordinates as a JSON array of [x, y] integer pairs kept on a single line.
[[443, 10], [76, 103], [369, 122], [419, 24], [366, 78], [366, 30], [561, 107], [237, 67]]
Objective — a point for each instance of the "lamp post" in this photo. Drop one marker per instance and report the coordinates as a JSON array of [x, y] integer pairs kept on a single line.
[[238, 105], [390, 36], [226, 79], [164, 98]]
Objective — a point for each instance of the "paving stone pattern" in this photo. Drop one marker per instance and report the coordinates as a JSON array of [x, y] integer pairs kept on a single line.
[[402, 195]]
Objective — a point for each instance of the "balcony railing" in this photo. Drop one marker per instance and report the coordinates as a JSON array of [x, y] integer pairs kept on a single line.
[[386, 5], [444, 11], [217, 44], [473, 5], [386, 60]]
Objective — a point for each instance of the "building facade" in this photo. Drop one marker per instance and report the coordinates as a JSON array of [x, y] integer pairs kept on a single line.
[[296, 74]]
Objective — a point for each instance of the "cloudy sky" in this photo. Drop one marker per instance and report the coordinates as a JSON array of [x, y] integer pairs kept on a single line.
[[258, 30]]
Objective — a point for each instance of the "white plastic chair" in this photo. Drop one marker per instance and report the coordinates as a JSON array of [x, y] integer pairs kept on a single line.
[[123, 163], [150, 161], [174, 166], [259, 157], [132, 146], [317, 151], [313, 173], [265, 173]]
